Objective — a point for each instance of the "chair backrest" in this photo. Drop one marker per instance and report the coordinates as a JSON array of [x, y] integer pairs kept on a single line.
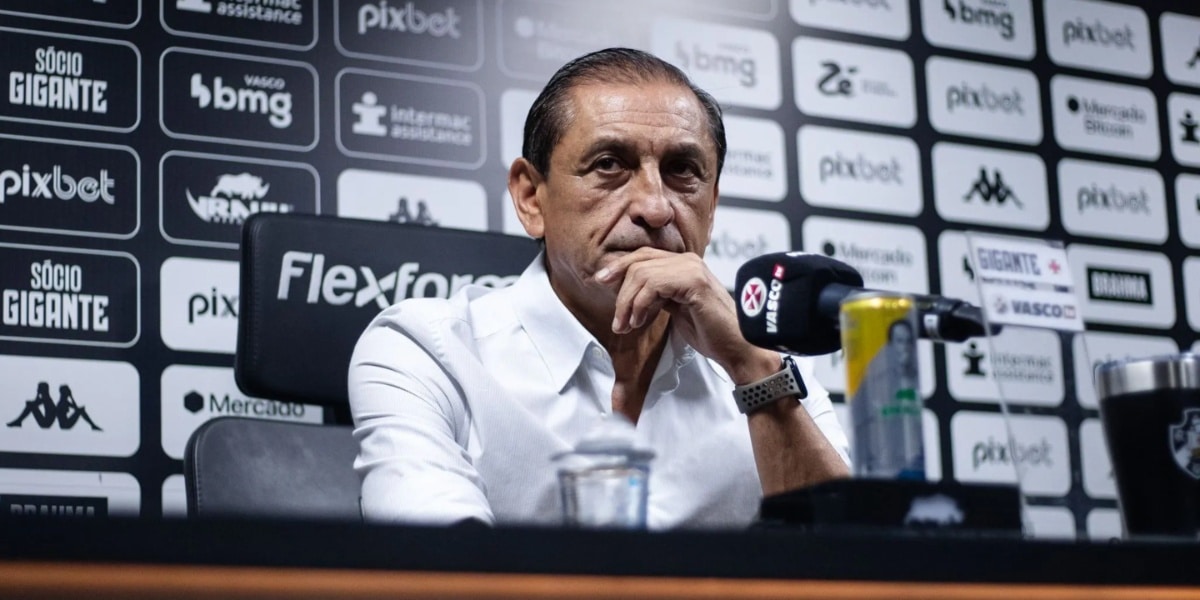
[[310, 284], [240, 467]]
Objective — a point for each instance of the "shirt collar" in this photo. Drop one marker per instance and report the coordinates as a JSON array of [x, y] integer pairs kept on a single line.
[[558, 336]]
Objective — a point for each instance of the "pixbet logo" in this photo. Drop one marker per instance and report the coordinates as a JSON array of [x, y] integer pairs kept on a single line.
[[860, 168], [982, 15], [340, 285], [54, 183], [984, 98], [250, 99], [1113, 199], [991, 451], [1096, 33], [695, 58], [409, 19], [213, 305], [726, 246]]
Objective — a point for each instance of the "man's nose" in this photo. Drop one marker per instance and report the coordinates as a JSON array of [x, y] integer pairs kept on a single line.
[[651, 206]]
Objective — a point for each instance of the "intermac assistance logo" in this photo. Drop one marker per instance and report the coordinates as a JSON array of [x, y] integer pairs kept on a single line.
[[288, 24], [410, 119]]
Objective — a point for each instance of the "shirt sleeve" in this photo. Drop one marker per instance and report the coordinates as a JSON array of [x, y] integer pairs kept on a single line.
[[413, 432], [820, 408]]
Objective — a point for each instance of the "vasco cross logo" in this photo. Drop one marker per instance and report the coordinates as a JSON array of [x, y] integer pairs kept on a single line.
[[46, 413], [1185, 442]]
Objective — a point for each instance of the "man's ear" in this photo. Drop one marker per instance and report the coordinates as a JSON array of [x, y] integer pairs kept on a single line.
[[524, 182]]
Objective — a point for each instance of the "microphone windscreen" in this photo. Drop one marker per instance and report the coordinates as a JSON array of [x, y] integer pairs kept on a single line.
[[777, 301]]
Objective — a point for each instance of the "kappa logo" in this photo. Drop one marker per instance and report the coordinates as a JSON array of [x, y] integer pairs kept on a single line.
[[1114, 285], [1185, 442], [46, 412], [422, 217], [253, 98], [340, 285], [993, 190], [233, 198]]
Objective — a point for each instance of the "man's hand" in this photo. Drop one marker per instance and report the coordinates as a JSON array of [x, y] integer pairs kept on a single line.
[[651, 280]]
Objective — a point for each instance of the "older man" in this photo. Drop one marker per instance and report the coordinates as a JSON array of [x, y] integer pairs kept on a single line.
[[460, 403]]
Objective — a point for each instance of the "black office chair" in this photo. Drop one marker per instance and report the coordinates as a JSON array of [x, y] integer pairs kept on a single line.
[[309, 286]]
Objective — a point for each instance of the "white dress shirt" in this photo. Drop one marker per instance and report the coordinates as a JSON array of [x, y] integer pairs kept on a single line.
[[459, 404]]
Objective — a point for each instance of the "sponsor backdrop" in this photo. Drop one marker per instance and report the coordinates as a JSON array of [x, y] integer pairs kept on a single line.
[[139, 134]]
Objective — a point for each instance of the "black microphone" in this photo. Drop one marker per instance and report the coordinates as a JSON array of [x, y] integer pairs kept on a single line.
[[790, 301]]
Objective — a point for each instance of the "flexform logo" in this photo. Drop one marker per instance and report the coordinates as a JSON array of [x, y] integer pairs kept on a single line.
[[240, 99], [983, 100], [877, 18], [737, 65], [850, 81], [1100, 36], [290, 24], [69, 187], [69, 406], [859, 171], [443, 33], [1112, 201], [70, 81], [1105, 118], [345, 285]]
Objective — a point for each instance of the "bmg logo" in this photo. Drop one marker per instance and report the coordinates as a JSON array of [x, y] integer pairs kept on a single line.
[[697, 59], [250, 99]]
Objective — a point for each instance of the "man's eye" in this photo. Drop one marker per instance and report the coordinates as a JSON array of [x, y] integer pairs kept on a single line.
[[606, 163], [684, 169]]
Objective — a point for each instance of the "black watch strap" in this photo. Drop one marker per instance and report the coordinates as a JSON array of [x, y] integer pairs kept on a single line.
[[787, 382]]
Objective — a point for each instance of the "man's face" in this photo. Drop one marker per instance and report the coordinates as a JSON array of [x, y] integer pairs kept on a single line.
[[635, 167]]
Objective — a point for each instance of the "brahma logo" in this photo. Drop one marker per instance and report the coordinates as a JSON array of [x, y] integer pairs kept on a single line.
[[72, 494], [233, 198], [854, 82], [1099, 36], [1105, 118], [737, 65], [1125, 287], [979, 100], [876, 18]]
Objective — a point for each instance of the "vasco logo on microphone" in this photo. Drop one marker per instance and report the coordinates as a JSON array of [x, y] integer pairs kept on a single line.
[[238, 99]]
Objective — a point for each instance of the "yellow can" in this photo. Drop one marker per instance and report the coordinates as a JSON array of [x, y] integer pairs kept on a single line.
[[879, 338]]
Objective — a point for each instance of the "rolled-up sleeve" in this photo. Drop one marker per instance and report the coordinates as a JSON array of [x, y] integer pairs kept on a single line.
[[413, 431]]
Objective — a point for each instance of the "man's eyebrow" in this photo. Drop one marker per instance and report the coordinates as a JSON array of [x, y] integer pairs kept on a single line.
[[616, 144]]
